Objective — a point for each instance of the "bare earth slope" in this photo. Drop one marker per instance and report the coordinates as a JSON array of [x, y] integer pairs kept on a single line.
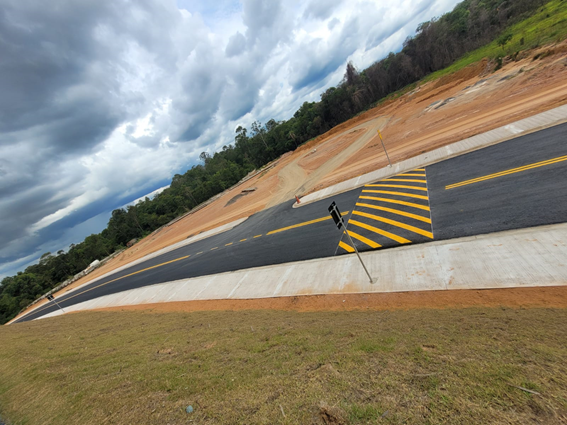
[[471, 101]]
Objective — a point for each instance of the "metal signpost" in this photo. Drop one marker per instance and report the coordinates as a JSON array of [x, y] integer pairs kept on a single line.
[[52, 298], [380, 134], [338, 218]]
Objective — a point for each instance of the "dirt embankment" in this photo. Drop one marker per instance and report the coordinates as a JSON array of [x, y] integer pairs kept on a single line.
[[454, 107]]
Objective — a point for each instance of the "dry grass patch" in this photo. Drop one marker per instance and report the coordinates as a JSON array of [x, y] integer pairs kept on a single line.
[[266, 367]]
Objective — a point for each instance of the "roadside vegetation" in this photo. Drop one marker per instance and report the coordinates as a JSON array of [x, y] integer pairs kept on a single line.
[[475, 366], [504, 27]]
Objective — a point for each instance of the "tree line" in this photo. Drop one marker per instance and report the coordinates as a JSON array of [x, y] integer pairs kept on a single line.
[[437, 44]]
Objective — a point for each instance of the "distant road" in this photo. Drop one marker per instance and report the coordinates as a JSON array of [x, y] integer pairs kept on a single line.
[[515, 184]]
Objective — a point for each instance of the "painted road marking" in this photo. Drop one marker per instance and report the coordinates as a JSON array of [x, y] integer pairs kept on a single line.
[[388, 192], [396, 201], [394, 211], [361, 238], [228, 244], [216, 247], [257, 236], [346, 247], [398, 186], [395, 223], [242, 240], [507, 172], [404, 215], [406, 180], [199, 253], [306, 223], [111, 281], [379, 231]]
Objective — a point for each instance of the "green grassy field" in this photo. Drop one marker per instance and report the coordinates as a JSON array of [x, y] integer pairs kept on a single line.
[[262, 367], [548, 25]]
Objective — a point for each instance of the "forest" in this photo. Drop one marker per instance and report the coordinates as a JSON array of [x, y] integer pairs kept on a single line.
[[437, 44]]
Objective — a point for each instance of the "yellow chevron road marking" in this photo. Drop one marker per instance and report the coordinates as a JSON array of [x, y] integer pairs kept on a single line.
[[394, 211]]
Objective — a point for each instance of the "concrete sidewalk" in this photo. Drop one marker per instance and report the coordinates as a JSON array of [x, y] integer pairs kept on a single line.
[[528, 125], [517, 258]]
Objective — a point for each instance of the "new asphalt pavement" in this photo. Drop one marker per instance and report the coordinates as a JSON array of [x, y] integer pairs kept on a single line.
[[515, 184]]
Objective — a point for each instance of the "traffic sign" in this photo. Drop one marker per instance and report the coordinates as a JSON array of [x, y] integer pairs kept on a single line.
[[336, 214]]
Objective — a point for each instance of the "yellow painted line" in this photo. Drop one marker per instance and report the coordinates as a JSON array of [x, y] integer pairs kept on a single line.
[[393, 211], [379, 231], [395, 201], [419, 169], [397, 185], [406, 180], [389, 192], [346, 247], [412, 175], [507, 172], [257, 236], [361, 238], [228, 244], [306, 223], [114, 280], [216, 247], [395, 223], [242, 240], [199, 253]]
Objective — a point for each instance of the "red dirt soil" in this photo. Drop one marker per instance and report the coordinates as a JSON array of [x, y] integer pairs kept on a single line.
[[479, 100]]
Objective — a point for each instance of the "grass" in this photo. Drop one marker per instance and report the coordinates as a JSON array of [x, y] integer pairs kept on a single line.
[[548, 25], [268, 367]]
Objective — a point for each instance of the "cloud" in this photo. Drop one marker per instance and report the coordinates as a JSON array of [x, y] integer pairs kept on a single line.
[[103, 102]]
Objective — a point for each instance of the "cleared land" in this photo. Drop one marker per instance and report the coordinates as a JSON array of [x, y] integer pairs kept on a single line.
[[468, 102], [363, 367]]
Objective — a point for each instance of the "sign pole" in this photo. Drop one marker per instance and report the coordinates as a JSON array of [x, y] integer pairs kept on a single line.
[[385, 151], [356, 250], [52, 298], [338, 218]]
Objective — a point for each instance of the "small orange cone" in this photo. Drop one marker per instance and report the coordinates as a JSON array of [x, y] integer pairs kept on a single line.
[[297, 199]]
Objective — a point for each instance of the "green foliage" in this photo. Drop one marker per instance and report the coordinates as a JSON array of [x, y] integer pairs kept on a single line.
[[432, 53]]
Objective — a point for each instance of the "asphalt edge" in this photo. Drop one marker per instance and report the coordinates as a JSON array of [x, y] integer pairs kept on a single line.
[[532, 257], [522, 127]]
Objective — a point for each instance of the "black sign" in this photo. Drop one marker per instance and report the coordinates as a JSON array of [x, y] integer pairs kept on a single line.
[[336, 214], [50, 297]]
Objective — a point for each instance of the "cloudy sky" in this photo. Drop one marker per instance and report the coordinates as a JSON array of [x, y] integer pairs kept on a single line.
[[103, 101]]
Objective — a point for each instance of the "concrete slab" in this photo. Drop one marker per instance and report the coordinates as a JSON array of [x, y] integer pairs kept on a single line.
[[516, 258], [537, 122]]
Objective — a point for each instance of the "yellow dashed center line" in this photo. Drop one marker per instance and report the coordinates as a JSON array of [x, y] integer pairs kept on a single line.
[[242, 240], [228, 244], [388, 192], [395, 223], [395, 201], [257, 236], [216, 247], [393, 211], [398, 186], [379, 231], [361, 238], [199, 253], [507, 172], [114, 280], [306, 223]]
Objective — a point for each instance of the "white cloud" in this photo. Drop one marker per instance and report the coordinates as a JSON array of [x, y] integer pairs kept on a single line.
[[105, 100]]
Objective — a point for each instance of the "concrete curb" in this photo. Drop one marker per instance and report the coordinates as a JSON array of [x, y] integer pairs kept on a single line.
[[169, 248], [517, 258], [537, 122]]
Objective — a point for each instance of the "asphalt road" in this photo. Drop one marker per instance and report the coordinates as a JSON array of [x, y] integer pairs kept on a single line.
[[515, 184]]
